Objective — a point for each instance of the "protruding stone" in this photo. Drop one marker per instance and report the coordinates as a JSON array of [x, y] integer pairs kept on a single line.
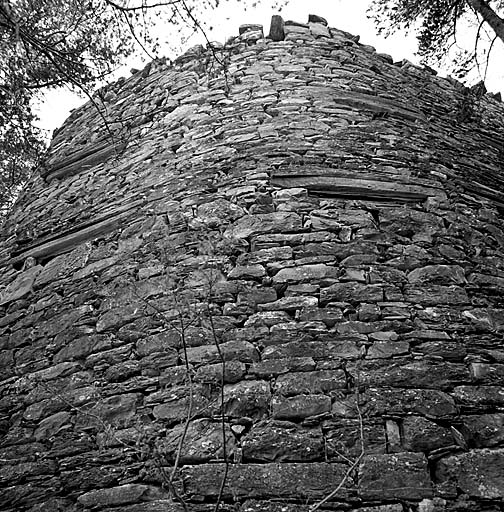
[[277, 28], [313, 18]]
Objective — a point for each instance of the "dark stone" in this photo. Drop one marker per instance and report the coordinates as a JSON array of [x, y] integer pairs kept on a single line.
[[344, 441], [484, 431], [427, 402], [203, 442], [351, 292], [288, 480], [477, 473], [422, 435], [313, 18], [247, 399], [300, 407], [394, 476], [275, 441], [296, 383]]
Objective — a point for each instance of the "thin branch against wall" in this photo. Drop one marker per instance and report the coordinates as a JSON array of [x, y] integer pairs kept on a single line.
[[354, 464]]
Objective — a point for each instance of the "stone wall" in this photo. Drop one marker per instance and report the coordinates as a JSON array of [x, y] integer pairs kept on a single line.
[[272, 280]]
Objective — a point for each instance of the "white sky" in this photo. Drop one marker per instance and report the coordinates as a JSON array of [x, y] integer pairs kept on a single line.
[[348, 15]]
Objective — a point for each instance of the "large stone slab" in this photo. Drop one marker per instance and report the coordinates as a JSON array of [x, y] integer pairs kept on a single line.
[[477, 473], [288, 480], [394, 476]]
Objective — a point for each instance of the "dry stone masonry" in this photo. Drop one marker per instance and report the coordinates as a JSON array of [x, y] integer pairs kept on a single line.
[[272, 280]]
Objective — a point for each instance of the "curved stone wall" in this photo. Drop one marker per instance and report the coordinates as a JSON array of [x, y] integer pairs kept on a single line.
[[272, 280]]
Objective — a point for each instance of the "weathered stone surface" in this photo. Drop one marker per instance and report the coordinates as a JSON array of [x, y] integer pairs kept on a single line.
[[212, 373], [203, 441], [289, 304], [414, 374], [21, 286], [274, 367], [478, 398], [439, 274], [385, 349], [231, 351], [351, 292], [484, 431], [483, 373], [278, 222], [299, 407], [120, 495], [428, 402], [247, 399], [394, 477], [174, 405], [299, 480], [247, 272], [277, 28], [422, 435], [276, 441], [305, 273], [112, 410], [429, 295], [323, 381], [344, 440], [477, 473]]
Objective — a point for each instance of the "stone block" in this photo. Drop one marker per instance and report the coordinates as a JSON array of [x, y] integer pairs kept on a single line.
[[120, 495], [276, 441], [160, 342], [289, 304], [202, 442], [173, 405], [247, 399], [272, 506], [113, 410], [306, 273], [247, 272], [478, 398], [351, 292], [484, 431], [413, 374], [239, 350], [344, 441], [276, 32], [322, 381], [315, 349], [21, 286], [432, 295], [276, 222], [427, 402], [300, 407], [275, 367], [422, 435], [484, 373], [212, 373], [477, 473], [438, 274], [307, 481], [394, 476], [386, 349]]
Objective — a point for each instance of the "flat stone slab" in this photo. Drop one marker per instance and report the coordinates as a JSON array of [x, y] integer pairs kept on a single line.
[[394, 476], [287, 480]]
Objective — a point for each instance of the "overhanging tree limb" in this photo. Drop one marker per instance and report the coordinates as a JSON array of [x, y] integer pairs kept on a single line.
[[489, 16]]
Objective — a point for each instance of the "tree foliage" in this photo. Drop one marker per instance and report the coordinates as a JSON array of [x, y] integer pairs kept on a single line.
[[74, 43], [443, 26]]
